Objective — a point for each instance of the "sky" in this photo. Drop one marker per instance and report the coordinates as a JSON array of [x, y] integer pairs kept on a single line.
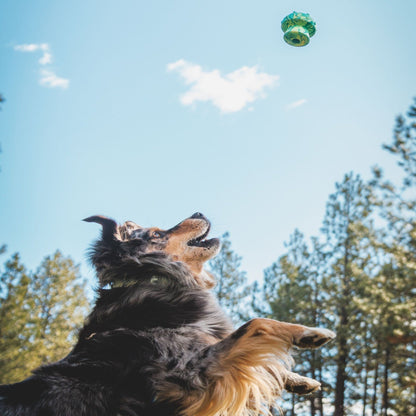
[[151, 111]]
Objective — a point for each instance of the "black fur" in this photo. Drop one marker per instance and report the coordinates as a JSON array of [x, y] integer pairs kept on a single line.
[[146, 333], [156, 341]]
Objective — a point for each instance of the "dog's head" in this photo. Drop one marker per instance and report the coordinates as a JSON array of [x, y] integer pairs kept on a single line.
[[186, 242]]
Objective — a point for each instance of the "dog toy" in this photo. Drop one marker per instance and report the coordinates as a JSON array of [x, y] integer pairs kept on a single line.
[[298, 28]]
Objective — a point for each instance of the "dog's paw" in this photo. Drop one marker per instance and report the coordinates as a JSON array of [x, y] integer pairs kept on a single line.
[[313, 338], [301, 385]]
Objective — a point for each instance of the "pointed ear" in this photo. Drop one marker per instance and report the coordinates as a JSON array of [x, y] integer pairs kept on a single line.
[[109, 225]]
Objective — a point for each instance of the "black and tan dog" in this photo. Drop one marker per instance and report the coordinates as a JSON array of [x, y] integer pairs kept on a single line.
[[157, 343]]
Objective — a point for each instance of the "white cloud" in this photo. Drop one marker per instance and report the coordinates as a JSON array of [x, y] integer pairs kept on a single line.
[[230, 93], [51, 80], [295, 104], [46, 58], [48, 78], [33, 47]]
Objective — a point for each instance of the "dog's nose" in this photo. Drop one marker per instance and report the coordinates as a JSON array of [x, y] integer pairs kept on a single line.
[[198, 216]]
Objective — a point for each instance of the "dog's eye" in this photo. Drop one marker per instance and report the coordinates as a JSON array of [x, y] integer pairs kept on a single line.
[[156, 234], [154, 280], [159, 280]]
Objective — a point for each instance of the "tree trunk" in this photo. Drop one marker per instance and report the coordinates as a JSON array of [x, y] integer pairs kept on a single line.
[[313, 375], [385, 407], [342, 343], [320, 394], [341, 376], [292, 410], [365, 390], [366, 369], [414, 401], [342, 357], [374, 401]]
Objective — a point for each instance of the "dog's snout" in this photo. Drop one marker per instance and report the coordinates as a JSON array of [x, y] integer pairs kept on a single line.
[[198, 216]]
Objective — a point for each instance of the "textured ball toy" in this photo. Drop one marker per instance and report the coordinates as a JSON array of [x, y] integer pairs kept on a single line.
[[298, 28]]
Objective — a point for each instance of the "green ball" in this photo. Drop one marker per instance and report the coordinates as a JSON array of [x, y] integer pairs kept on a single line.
[[298, 28]]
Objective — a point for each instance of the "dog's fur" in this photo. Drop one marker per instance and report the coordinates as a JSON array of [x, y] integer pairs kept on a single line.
[[157, 343]]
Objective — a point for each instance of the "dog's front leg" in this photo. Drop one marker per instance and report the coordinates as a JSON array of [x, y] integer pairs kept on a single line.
[[247, 371]]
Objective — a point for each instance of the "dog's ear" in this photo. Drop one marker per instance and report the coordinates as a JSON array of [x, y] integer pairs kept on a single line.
[[109, 226]]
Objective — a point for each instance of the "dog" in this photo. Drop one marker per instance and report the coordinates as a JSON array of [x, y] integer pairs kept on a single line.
[[157, 343]]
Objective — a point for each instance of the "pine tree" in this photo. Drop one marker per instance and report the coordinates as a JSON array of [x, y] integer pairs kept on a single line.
[[403, 145], [362, 282], [231, 290], [39, 314], [347, 230], [398, 277], [285, 283], [292, 289], [16, 327], [60, 306], [285, 296]]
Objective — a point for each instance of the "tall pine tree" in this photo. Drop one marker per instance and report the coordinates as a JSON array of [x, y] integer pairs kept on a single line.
[[60, 305], [292, 289], [16, 323], [346, 228], [231, 290], [398, 277], [39, 314]]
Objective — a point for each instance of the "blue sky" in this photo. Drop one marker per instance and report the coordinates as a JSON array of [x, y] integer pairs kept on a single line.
[[150, 111]]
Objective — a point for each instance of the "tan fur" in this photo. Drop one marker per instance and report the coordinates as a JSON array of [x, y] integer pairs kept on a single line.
[[194, 257], [249, 383], [249, 373], [176, 245]]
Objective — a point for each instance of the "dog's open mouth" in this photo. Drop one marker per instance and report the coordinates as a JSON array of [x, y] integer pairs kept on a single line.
[[200, 241]]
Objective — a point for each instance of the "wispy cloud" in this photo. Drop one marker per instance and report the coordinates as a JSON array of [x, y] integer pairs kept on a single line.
[[230, 93], [296, 104], [48, 78], [28, 47], [46, 57]]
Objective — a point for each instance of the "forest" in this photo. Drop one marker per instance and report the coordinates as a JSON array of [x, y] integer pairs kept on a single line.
[[356, 277]]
